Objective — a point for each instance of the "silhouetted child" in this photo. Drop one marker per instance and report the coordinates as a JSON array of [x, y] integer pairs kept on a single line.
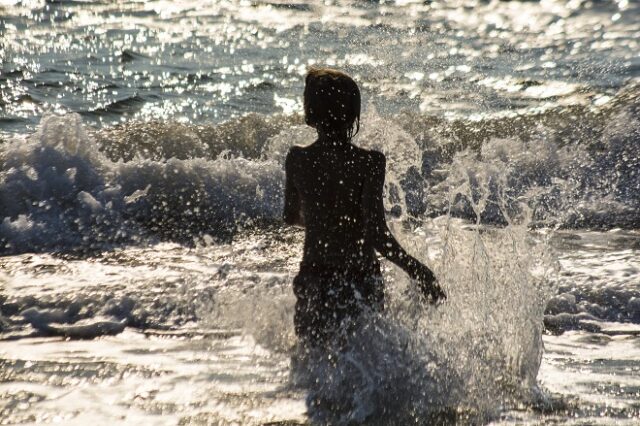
[[335, 189]]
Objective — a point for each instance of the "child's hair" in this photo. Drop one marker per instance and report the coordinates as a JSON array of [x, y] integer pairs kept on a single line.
[[332, 101]]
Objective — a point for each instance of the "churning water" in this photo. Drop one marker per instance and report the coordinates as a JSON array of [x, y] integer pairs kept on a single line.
[[146, 274]]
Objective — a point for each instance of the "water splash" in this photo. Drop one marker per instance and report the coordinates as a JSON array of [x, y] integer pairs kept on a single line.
[[465, 361]]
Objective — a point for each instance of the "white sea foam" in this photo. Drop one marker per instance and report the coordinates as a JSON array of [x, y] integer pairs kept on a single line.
[[64, 188], [59, 192]]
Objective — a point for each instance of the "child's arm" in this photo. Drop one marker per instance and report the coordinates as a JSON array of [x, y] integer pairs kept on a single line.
[[292, 209], [380, 235]]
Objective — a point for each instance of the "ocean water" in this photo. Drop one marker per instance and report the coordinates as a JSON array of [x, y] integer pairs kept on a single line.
[[145, 273]]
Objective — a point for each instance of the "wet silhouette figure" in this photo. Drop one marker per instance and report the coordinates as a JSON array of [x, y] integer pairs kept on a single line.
[[335, 190]]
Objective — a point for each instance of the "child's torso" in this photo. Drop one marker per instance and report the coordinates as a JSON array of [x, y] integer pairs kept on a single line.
[[330, 182]]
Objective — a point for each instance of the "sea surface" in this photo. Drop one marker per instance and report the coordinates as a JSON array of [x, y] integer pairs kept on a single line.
[[145, 272]]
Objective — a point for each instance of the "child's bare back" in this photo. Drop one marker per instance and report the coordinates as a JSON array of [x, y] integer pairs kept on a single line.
[[329, 183]]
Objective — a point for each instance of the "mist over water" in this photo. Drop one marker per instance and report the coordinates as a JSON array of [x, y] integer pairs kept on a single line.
[[145, 272]]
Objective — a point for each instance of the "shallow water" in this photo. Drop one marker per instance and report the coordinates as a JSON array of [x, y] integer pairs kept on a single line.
[[216, 341], [146, 276]]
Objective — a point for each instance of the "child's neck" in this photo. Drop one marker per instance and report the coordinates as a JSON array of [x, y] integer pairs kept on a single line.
[[332, 138]]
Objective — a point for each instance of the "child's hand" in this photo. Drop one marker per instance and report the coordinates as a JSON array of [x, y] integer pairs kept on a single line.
[[430, 287], [434, 293]]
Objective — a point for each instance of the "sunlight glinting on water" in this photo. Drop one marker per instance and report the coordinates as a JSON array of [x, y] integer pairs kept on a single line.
[[145, 275]]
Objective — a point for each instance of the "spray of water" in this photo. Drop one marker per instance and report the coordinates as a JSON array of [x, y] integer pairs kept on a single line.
[[463, 361]]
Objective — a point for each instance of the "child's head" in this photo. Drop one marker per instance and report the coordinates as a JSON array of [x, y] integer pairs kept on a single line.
[[332, 102]]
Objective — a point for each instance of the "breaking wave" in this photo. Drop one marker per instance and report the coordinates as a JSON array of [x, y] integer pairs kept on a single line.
[[66, 186]]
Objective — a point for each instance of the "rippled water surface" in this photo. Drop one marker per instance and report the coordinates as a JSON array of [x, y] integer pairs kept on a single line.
[[203, 62]]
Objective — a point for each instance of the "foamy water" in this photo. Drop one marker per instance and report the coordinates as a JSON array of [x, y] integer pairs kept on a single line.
[[145, 272], [209, 338]]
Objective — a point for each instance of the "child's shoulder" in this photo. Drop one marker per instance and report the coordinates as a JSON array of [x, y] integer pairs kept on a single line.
[[297, 149], [372, 155]]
